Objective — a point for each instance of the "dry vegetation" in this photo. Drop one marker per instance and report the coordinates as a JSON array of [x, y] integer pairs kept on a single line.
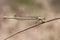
[[43, 8]]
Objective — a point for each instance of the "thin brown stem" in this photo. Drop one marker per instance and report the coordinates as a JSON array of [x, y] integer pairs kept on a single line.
[[39, 23]]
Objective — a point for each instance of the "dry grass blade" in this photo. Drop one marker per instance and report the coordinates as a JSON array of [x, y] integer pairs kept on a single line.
[[37, 24]]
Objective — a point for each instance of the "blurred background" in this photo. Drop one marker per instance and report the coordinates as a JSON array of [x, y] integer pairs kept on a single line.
[[46, 9]]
